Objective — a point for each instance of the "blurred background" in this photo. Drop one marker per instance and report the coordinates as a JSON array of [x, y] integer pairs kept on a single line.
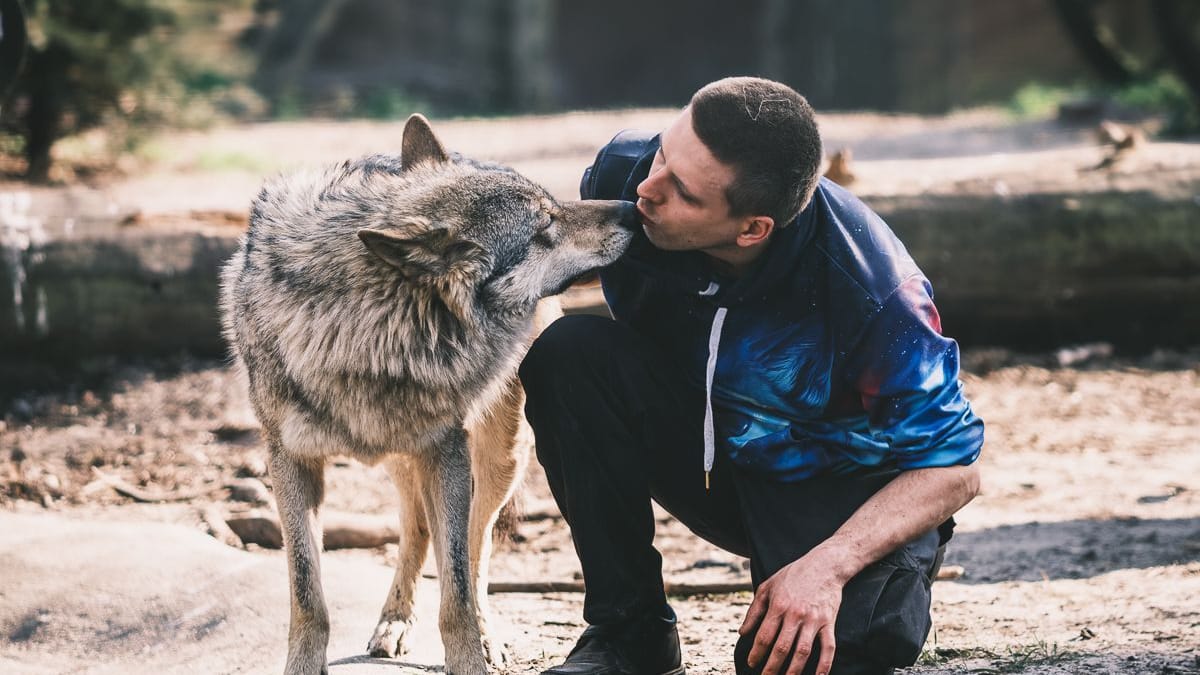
[[1039, 159], [135, 66]]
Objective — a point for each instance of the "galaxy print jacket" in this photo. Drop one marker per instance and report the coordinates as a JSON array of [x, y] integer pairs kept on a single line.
[[827, 358]]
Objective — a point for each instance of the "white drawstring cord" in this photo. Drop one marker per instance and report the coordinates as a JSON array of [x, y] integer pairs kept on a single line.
[[710, 437]]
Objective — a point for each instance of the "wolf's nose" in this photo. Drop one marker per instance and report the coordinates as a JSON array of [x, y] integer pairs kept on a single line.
[[629, 217]]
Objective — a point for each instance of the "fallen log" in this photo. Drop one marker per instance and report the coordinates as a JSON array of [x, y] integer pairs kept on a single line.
[[341, 530], [1031, 255]]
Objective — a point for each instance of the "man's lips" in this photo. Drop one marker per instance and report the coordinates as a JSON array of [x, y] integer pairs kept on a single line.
[[646, 220]]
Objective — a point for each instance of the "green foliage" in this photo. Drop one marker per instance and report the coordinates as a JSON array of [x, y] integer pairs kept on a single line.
[[390, 104], [216, 160], [130, 65], [1163, 95], [1013, 659], [1037, 101]]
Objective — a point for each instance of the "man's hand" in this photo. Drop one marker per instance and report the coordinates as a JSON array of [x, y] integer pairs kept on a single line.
[[793, 608]]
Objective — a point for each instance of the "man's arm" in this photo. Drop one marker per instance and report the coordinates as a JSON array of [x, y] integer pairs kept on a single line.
[[799, 603], [906, 373]]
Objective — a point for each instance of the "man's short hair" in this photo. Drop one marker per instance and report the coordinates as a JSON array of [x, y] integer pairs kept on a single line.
[[768, 133]]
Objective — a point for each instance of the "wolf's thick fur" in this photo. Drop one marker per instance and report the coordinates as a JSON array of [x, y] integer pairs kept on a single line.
[[380, 308]]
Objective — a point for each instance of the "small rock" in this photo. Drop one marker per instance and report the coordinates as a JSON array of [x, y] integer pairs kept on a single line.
[[251, 467], [249, 490], [22, 410], [51, 482]]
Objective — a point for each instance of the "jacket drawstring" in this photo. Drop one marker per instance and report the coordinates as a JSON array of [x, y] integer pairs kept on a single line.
[[710, 440]]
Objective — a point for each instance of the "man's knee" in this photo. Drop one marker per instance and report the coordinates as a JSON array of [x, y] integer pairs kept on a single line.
[[567, 345]]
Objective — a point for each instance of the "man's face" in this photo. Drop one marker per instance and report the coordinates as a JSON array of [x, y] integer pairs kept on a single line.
[[682, 201]]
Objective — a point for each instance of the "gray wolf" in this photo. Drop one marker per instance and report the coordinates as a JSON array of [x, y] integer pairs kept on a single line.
[[380, 308]]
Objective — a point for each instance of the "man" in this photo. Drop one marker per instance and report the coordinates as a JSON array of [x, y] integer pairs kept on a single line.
[[775, 377]]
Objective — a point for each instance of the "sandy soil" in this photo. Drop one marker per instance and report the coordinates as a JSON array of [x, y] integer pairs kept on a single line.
[[1081, 555]]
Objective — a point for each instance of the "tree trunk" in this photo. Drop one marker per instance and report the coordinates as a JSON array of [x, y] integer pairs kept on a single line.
[[288, 48], [532, 78], [12, 45], [1177, 31], [47, 77], [1079, 21]]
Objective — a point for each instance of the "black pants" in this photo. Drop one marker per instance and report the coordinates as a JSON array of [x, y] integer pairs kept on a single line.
[[616, 425]]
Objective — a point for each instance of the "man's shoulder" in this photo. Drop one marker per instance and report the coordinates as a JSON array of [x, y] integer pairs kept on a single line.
[[609, 175], [859, 244]]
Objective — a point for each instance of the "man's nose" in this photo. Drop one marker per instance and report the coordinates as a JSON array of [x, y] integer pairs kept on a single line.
[[648, 189]]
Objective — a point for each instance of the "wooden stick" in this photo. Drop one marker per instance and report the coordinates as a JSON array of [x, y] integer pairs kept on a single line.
[[341, 530], [146, 496], [947, 572]]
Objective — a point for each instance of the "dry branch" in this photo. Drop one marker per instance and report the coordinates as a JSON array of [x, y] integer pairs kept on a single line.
[[946, 573], [340, 530], [148, 496]]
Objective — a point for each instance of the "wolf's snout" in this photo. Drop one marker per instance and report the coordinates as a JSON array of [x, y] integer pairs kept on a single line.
[[629, 219]]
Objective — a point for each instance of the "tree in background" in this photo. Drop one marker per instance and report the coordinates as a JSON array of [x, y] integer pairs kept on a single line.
[[97, 62], [13, 39], [1165, 75]]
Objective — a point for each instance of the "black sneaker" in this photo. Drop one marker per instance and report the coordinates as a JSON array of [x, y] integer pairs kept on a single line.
[[645, 646]]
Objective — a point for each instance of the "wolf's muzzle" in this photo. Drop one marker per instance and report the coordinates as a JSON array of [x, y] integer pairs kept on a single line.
[[629, 217]]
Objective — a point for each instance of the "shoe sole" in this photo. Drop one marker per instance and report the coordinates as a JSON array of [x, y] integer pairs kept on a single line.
[[678, 671]]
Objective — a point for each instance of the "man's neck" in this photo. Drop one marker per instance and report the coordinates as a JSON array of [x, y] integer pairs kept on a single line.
[[736, 261]]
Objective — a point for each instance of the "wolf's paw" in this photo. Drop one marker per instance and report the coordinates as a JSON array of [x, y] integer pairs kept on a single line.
[[494, 652], [303, 667], [388, 640], [465, 664], [306, 652]]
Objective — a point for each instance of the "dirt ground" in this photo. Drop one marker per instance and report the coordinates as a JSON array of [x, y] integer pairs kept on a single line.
[[1082, 554]]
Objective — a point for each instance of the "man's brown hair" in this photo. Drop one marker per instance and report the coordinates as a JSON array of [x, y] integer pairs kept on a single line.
[[768, 133]]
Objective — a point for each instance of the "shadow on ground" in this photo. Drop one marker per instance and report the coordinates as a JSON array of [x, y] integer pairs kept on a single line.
[[1073, 549]]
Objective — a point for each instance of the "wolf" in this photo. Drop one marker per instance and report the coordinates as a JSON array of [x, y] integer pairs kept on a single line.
[[379, 309]]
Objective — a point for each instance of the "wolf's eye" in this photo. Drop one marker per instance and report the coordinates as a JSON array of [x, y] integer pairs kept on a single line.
[[544, 235]]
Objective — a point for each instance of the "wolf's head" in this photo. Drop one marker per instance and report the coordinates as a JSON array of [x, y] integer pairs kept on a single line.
[[481, 234]]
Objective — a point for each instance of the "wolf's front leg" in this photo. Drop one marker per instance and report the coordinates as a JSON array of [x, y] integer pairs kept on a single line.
[[500, 444], [448, 508], [299, 489], [396, 619]]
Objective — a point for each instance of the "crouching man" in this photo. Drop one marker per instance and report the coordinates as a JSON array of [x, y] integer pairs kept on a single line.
[[776, 378]]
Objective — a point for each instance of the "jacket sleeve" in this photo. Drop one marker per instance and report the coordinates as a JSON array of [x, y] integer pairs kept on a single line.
[[906, 374]]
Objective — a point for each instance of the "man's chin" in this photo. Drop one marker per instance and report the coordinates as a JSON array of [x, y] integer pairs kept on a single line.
[[659, 242]]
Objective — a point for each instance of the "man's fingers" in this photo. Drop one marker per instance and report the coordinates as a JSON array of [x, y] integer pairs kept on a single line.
[[764, 637], [804, 645], [758, 606], [782, 648], [828, 647]]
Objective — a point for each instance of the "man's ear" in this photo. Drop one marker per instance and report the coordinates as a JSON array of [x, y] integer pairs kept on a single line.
[[756, 230], [421, 249], [419, 144]]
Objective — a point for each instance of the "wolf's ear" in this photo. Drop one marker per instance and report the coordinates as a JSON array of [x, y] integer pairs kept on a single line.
[[419, 144], [431, 251]]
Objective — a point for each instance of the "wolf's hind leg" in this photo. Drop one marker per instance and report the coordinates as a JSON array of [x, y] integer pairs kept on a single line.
[[396, 619], [499, 452], [448, 508], [299, 489]]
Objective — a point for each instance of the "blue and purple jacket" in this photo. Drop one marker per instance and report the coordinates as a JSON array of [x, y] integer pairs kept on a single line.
[[827, 358]]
